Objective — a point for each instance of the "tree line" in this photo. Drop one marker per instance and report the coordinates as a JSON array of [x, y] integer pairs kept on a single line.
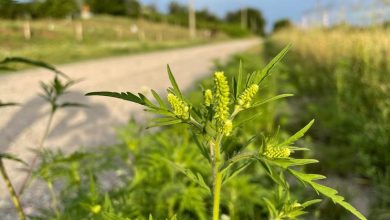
[[253, 21]]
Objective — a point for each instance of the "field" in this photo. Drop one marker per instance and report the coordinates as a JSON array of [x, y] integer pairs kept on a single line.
[[63, 41], [340, 77]]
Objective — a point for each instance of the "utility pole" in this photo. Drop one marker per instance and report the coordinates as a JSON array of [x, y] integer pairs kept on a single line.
[[191, 19]]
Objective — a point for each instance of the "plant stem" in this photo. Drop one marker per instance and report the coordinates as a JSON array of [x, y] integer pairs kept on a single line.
[[34, 160], [217, 178], [11, 190]]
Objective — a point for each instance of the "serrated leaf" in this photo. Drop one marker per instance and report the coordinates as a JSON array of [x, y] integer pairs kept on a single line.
[[297, 135], [326, 191], [196, 178], [12, 157], [33, 63], [203, 149], [234, 172], [128, 96], [158, 99], [174, 83], [147, 101], [290, 162]]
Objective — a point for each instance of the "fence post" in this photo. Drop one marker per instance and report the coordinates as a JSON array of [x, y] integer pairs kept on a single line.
[[27, 30], [79, 31]]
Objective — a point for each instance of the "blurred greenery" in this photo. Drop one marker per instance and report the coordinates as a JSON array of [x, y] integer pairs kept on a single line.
[[341, 78]]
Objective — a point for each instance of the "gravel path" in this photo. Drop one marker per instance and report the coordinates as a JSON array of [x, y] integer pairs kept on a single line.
[[22, 127]]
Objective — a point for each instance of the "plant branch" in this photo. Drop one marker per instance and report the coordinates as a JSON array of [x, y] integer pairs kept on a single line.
[[11, 190], [34, 160], [217, 177]]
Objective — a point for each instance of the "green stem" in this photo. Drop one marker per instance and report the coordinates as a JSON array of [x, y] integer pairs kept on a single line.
[[217, 178], [11, 190], [39, 149]]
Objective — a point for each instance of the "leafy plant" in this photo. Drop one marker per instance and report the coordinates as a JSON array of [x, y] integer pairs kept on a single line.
[[4, 174], [214, 123], [51, 93]]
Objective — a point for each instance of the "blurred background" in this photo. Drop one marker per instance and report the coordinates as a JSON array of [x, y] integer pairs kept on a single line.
[[338, 69]]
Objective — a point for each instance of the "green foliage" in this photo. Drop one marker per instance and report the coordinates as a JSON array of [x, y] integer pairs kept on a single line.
[[282, 24], [208, 123], [254, 22]]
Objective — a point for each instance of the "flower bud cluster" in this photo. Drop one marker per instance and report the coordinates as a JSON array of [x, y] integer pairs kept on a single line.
[[276, 152], [227, 127], [208, 97], [222, 103], [245, 99], [179, 107]]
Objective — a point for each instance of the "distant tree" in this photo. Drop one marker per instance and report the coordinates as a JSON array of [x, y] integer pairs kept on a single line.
[[206, 15], [254, 20], [176, 8], [56, 8], [282, 24], [11, 9], [130, 8]]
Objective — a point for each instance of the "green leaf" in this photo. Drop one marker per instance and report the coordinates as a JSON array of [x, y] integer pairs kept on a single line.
[[240, 79], [242, 118], [71, 104], [202, 148], [257, 104], [128, 96], [311, 202], [235, 171], [297, 135], [266, 71], [5, 104], [33, 63], [165, 122], [290, 162], [174, 83], [12, 157], [326, 191], [158, 99], [147, 101], [196, 178]]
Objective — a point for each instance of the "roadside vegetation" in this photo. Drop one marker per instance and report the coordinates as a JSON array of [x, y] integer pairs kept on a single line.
[[58, 41]]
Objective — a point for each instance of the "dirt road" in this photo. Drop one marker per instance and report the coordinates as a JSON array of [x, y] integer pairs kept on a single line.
[[22, 127]]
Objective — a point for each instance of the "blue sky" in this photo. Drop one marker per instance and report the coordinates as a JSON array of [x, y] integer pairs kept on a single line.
[[272, 9]]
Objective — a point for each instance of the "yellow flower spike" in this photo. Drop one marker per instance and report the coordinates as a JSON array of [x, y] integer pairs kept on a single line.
[[179, 107], [208, 97], [227, 127], [221, 100], [276, 152], [245, 99]]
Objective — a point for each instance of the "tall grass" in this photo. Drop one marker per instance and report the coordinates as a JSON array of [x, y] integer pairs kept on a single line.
[[344, 76]]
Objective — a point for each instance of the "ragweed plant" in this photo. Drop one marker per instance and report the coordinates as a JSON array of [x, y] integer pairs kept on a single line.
[[216, 119], [51, 93]]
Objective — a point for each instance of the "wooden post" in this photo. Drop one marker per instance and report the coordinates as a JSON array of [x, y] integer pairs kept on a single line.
[[191, 19], [79, 31], [27, 30]]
